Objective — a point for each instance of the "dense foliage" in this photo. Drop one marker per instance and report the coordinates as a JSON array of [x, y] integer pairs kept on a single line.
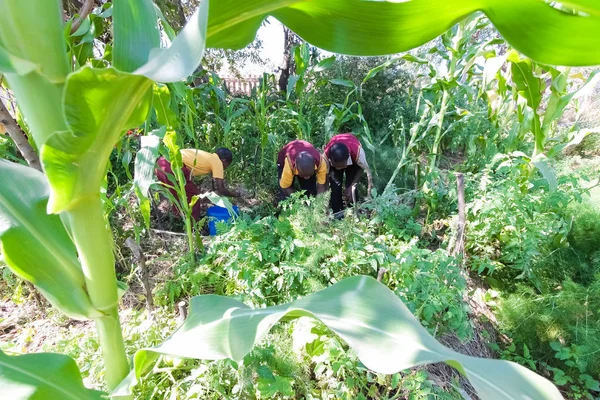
[[462, 104]]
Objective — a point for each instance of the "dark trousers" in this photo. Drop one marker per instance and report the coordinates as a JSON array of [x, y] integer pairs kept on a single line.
[[336, 177], [308, 185], [163, 170]]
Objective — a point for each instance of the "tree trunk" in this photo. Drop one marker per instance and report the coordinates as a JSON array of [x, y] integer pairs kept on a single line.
[[287, 66], [18, 136]]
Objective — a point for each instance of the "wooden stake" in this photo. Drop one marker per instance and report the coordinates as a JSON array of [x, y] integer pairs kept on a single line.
[[139, 257], [459, 245]]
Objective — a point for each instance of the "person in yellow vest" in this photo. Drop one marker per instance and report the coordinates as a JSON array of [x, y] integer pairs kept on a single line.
[[198, 163], [302, 161]]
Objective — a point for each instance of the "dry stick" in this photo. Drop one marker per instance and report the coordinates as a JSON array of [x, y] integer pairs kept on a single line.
[[380, 274], [182, 308], [459, 246], [138, 255], [86, 9], [168, 232]]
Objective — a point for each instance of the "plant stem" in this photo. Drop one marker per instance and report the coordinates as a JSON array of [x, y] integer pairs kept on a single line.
[[438, 132], [93, 242], [414, 132]]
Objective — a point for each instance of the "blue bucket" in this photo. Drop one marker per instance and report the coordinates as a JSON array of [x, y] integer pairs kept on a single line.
[[216, 213]]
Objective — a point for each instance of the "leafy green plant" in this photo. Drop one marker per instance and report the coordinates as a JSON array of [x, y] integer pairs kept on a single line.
[[513, 222], [382, 353], [575, 382], [77, 115]]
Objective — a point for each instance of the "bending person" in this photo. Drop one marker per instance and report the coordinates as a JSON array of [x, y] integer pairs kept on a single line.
[[198, 163], [301, 161], [347, 158]]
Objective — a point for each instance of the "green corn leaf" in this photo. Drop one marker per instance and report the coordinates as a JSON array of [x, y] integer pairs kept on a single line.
[[491, 69], [10, 64], [162, 107], [37, 38], [529, 87], [170, 141], [36, 245], [42, 376], [547, 172], [144, 172], [135, 33], [366, 314], [185, 53], [99, 105], [557, 102], [535, 28], [325, 64], [342, 82]]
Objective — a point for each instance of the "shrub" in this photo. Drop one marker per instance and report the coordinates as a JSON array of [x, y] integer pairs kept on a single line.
[[515, 223], [562, 328]]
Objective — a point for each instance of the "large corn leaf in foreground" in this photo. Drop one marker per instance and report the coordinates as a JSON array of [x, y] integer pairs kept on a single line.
[[99, 105], [36, 245], [136, 45], [537, 28], [42, 376], [362, 311]]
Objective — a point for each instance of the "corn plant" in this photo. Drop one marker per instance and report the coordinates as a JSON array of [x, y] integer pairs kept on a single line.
[[260, 106], [524, 87], [52, 228]]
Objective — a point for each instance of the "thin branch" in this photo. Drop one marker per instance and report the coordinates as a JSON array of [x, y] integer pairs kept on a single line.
[[168, 232], [18, 136], [86, 9]]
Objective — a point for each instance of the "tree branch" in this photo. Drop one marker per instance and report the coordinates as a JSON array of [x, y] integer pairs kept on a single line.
[[18, 136], [86, 9]]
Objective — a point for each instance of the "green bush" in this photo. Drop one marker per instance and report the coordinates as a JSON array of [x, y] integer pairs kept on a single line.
[[585, 235], [560, 328], [515, 224]]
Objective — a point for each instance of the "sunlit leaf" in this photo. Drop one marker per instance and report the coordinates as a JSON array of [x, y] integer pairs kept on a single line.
[[14, 65], [185, 53], [99, 105], [325, 64], [529, 87], [36, 245], [42, 376], [536, 28], [162, 106], [491, 68], [145, 160], [382, 331], [43, 45], [540, 163], [557, 103]]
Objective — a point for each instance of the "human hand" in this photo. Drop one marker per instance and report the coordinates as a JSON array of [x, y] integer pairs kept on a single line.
[[348, 193]]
